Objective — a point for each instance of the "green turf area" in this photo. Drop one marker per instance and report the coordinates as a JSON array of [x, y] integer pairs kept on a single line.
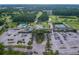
[[12, 25], [12, 53], [74, 25], [54, 18], [72, 21], [38, 14], [45, 25]]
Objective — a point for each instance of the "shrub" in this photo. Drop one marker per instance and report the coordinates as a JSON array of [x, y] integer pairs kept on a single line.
[[30, 43], [29, 47], [49, 52]]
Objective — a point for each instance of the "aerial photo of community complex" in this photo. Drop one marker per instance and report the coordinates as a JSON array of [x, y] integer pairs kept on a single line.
[[39, 29]]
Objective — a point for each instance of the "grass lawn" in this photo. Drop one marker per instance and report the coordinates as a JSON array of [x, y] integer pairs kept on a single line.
[[39, 14], [54, 18], [1, 32], [13, 53], [74, 24], [45, 24], [12, 25], [71, 21], [33, 24], [63, 18], [17, 46]]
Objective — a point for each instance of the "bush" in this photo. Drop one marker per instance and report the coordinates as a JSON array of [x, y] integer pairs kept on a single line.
[[39, 37], [49, 52], [20, 46], [39, 41], [1, 49], [48, 45], [29, 47], [57, 52], [13, 53], [30, 43]]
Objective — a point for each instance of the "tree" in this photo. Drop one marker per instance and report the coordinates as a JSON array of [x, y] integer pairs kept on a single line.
[[57, 52], [1, 22], [39, 37], [48, 45], [43, 17], [30, 43], [24, 17], [1, 49], [29, 47]]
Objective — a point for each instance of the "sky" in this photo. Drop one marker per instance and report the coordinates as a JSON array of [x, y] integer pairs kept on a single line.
[[39, 1]]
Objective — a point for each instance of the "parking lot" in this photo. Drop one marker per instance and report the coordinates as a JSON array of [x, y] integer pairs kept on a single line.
[[66, 42], [13, 37]]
